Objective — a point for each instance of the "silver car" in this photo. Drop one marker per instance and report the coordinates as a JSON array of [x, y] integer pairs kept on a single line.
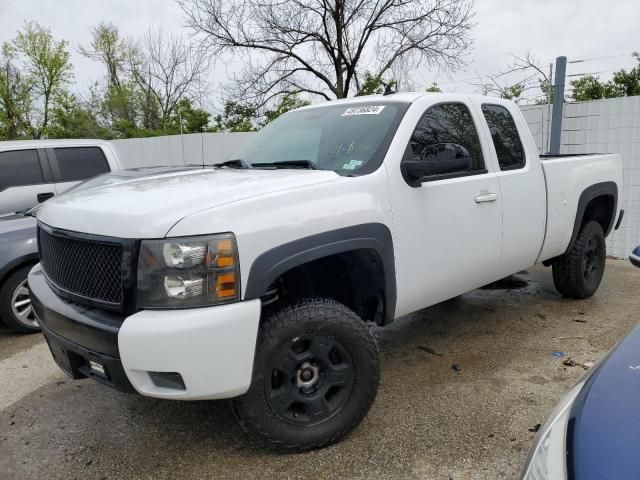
[[32, 171], [18, 253]]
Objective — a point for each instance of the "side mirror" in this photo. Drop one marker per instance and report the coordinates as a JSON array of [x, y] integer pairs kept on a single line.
[[438, 159]]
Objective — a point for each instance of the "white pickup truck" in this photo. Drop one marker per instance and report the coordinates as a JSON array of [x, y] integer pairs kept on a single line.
[[255, 280]]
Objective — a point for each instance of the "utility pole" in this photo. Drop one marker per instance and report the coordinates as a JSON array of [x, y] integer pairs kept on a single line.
[[558, 105]]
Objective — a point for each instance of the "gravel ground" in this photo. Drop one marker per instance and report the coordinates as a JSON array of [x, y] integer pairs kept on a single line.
[[429, 420]]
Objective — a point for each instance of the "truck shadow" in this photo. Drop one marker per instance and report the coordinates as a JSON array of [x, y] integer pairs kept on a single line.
[[507, 305]]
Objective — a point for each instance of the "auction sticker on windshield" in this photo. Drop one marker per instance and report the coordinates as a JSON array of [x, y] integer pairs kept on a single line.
[[363, 110]]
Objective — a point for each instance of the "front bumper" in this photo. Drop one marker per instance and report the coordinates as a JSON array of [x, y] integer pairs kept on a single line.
[[210, 350]]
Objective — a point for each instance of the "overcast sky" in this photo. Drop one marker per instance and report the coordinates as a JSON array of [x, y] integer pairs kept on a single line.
[[579, 29]]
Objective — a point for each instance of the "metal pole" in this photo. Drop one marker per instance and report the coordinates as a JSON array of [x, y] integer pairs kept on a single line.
[[202, 147], [547, 144], [558, 105], [182, 138]]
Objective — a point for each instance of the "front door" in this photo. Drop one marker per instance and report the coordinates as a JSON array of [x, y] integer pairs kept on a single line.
[[447, 228]]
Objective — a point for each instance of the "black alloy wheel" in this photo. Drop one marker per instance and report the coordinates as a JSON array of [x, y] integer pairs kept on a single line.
[[315, 376], [311, 380]]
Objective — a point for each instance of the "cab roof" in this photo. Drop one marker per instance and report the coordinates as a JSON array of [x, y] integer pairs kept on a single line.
[[78, 142], [406, 97]]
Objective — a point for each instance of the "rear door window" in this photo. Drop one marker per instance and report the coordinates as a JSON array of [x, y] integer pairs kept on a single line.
[[19, 168], [505, 137], [79, 163]]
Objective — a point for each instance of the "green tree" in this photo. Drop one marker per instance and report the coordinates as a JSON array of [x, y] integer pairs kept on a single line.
[[236, 117], [148, 108], [290, 101], [192, 120], [47, 68], [15, 96], [110, 49], [70, 119], [586, 88], [434, 88], [123, 103], [372, 84], [547, 92], [627, 84], [121, 100], [150, 85], [512, 92], [623, 84]]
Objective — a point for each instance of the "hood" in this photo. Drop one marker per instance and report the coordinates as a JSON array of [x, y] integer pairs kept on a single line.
[[146, 203], [16, 223], [605, 418]]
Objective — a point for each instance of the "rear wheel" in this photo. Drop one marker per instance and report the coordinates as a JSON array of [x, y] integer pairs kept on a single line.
[[15, 303], [315, 376], [578, 273]]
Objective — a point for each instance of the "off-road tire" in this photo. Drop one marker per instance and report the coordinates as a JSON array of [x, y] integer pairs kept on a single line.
[[7, 289], [578, 273], [308, 318]]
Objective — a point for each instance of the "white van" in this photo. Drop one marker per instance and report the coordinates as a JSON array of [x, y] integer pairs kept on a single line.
[[31, 171]]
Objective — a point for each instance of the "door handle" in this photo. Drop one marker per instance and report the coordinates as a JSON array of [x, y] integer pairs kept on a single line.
[[44, 196], [486, 197]]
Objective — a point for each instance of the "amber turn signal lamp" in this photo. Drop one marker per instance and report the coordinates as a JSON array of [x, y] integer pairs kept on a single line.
[[226, 285]]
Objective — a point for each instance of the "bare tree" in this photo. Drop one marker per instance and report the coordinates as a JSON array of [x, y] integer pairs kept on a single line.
[[167, 69], [324, 48], [534, 81]]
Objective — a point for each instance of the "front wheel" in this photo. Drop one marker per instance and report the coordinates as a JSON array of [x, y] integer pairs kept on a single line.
[[577, 273], [315, 376], [15, 302]]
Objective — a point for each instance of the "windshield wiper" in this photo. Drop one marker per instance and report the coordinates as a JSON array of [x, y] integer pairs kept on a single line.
[[25, 213], [234, 163], [287, 164]]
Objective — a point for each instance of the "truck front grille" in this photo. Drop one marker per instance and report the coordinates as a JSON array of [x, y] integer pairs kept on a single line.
[[85, 268]]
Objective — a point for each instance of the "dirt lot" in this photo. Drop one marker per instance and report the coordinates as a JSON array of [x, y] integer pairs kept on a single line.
[[429, 420]]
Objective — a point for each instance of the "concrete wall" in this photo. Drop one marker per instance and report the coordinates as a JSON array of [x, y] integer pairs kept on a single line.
[[602, 126], [194, 148]]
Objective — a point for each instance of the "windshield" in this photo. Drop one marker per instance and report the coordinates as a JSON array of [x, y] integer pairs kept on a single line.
[[348, 139]]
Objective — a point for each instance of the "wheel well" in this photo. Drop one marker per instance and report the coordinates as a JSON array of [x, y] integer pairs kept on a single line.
[[602, 210], [354, 278], [14, 268]]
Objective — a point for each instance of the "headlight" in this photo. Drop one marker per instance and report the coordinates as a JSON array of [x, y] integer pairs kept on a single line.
[[188, 272], [547, 457]]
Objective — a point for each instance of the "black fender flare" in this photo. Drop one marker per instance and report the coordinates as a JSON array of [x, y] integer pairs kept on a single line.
[[271, 264], [594, 191]]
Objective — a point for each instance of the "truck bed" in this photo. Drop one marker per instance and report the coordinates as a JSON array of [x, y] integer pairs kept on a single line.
[[549, 156], [566, 178]]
